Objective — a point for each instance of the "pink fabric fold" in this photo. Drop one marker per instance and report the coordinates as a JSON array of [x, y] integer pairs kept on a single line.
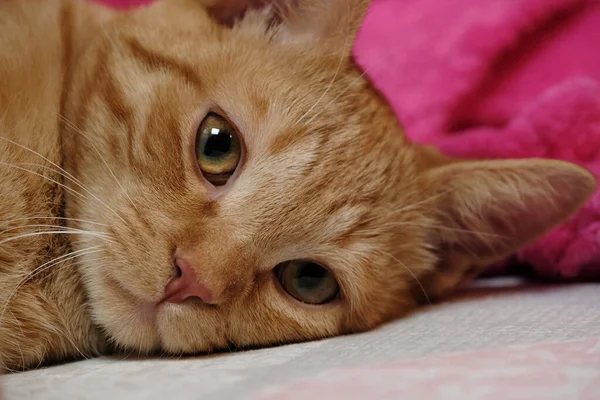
[[499, 79]]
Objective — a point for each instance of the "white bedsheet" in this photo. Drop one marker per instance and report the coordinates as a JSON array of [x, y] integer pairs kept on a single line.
[[498, 340]]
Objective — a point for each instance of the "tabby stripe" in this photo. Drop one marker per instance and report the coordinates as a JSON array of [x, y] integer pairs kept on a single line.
[[66, 41], [66, 32], [112, 94], [156, 60]]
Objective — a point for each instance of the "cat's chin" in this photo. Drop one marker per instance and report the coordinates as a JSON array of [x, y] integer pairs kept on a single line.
[[129, 322], [154, 327], [188, 328], [139, 319]]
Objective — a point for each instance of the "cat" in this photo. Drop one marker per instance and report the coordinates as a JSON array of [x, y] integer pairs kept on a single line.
[[193, 176]]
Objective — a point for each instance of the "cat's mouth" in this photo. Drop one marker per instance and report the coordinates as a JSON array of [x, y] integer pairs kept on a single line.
[[148, 313], [141, 331]]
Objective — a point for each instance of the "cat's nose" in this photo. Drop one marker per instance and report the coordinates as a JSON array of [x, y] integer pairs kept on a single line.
[[186, 285]]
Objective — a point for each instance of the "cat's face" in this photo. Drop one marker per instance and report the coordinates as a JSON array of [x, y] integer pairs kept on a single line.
[[266, 164], [309, 172]]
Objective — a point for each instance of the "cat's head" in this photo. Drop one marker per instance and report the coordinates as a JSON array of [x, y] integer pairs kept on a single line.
[[256, 164]]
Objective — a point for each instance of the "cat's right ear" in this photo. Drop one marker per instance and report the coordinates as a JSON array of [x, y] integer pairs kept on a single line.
[[227, 11], [332, 23]]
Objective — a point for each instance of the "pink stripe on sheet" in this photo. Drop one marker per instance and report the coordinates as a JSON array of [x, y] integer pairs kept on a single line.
[[557, 371]]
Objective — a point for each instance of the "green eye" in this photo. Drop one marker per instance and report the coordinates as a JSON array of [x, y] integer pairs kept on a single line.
[[218, 149], [307, 282]]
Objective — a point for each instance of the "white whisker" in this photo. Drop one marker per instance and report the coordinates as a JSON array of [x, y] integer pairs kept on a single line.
[[362, 75], [75, 192], [410, 272], [60, 227], [65, 172], [52, 218], [44, 267], [16, 341], [63, 334], [339, 68], [81, 195], [400, 224], [72, 125], [407, 208], [64, 232]]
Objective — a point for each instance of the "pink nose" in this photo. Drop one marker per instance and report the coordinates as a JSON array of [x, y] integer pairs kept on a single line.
[[186, 285]]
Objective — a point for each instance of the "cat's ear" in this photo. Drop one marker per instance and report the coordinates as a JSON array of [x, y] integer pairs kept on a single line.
[[334, 23], [489, 209], [227, 11]]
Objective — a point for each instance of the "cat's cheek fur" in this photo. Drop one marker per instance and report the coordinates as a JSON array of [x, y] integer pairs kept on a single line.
[[127, 320], [190, 328]]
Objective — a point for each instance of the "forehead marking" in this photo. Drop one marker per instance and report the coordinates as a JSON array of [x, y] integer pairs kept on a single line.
[[156, 60]]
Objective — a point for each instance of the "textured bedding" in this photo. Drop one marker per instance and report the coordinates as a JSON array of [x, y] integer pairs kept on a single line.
[[497, 340]]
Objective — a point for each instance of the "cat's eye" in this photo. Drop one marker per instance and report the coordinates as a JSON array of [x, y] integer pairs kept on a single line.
[[218, 149], [307, 282]]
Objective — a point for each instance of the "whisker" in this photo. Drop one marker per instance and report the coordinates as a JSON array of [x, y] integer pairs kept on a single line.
[[68, 178], [20, 168], [89, 233], [439, 227], [61, 227], [63, 334], [410, 272], [9, 222], [407, 208], [75, 128], [45, 167], [75, 192], [343, 92], [44, 267], [65, 172], [339, 68], [412, 206], [16, 341]]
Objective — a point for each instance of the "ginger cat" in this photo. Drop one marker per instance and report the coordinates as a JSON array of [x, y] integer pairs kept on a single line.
[[182, 178]]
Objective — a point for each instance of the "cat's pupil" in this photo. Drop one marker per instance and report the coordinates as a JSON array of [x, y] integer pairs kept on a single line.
[[218, 144], [310, 276]]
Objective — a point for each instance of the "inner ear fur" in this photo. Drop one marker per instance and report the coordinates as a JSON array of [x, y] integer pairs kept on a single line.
[[334, 23], [227, 11], [487, 210]]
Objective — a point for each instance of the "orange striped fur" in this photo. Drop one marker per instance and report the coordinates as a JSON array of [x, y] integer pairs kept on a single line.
[[98, 181]]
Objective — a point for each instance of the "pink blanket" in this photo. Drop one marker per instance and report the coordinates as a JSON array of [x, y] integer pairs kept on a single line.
[[497, 78]]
